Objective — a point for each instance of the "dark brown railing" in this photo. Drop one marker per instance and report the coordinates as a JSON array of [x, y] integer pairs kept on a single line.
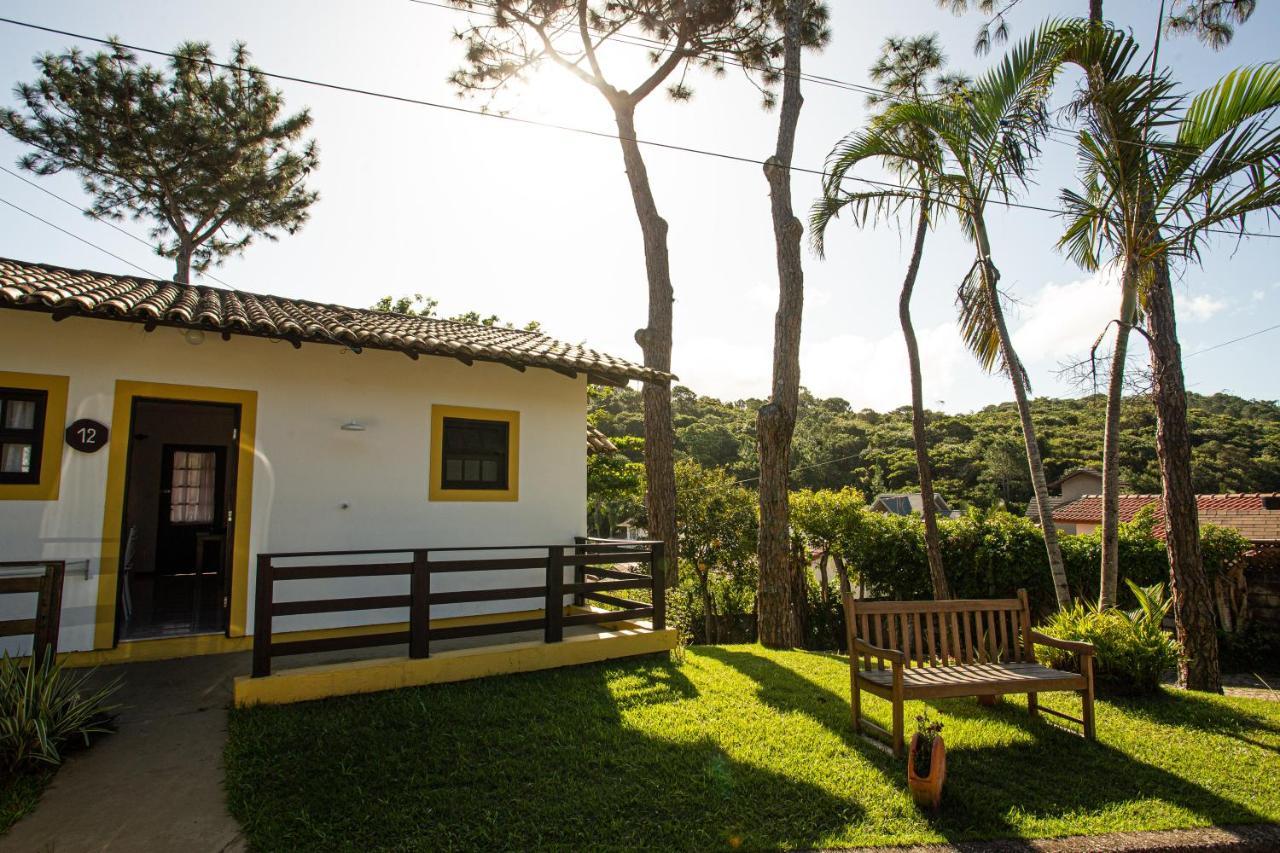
[[47, 585], [591, 584]]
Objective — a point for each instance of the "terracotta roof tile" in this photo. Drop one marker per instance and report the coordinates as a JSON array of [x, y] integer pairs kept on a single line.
[[598, 442], [63, 291], [1246, 513]]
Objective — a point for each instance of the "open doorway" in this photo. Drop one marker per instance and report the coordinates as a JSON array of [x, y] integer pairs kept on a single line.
[[178, 519]]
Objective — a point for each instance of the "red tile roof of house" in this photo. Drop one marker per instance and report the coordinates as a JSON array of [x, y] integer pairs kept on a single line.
[[66, 292], [1244, 512]]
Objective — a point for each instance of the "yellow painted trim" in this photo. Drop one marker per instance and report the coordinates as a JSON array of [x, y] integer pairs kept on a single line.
[[117, 476], [370, 676], [436, 492], [55, 423], [169, 648]]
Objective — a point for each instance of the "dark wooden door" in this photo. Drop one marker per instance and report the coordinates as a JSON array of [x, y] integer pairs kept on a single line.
[[191, 537]]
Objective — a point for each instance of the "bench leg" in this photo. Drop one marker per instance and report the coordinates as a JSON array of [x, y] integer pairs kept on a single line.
[[987, 700], [855, 694], [1033, 704], [1086, 716], [897, 729]]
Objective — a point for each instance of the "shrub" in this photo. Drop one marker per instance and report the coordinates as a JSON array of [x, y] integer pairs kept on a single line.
[[1133, 650], [44, 709]]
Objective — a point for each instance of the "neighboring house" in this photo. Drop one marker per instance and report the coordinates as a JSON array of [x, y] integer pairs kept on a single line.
[[1255, 516], [908, 503], [160, 436], [1076, 483]]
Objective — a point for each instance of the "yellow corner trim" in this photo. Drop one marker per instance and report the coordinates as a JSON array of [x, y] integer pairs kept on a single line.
[[117, 475], [436, 491], [55, 421]]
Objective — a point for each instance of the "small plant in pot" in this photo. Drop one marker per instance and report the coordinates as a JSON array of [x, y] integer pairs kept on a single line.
[[927, 762]]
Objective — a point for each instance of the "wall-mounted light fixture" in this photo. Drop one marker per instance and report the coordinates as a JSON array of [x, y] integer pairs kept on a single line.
[[352, 426], [195, 337]]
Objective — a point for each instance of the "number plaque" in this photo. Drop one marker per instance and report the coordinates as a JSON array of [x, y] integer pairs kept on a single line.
[[87, 436]]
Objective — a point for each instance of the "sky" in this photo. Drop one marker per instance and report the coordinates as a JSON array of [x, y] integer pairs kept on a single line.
[[533, 223]]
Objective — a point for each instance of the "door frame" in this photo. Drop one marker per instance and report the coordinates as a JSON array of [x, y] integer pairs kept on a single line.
[[126, 392]]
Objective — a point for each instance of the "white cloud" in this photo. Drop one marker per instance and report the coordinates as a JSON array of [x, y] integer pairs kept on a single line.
[[1064, 320], [1202, 307], [1259, 295]]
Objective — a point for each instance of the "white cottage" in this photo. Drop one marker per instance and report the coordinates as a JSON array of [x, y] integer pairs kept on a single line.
[[162, 440]]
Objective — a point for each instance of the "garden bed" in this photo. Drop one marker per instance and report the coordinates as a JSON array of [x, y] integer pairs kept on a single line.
[[736, 746]]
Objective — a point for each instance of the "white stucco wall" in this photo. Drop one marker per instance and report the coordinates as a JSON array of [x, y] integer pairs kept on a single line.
[[306, 467]]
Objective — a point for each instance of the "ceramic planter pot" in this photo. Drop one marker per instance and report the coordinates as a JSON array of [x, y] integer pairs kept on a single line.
[[927, 790]]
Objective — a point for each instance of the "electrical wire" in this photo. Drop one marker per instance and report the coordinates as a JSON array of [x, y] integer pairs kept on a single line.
[[20, 209]]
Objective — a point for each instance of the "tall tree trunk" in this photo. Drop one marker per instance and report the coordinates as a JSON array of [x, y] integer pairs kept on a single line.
[[182, 261], [990, 277], [655, 343], [779, 618], [932, 543], [1109, 579], [1192, 592]]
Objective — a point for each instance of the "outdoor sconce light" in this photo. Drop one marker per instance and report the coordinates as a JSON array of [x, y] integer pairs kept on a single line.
[[352, 426], [195, 337]]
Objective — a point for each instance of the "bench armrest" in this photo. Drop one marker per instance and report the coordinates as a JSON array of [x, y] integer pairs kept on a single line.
[[863, 647], [1066, 645]]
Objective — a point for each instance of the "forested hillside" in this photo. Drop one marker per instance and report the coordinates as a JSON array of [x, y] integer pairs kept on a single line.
[[977, 458]]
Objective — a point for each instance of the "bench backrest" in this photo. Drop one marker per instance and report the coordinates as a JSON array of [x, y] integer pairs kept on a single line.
[[944, 633]]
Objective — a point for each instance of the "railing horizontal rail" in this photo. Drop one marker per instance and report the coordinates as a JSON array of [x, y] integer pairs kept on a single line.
[[486, 628], [577, 563], [608, 616], [601, 586], [494, 565], [593, 558], [338, 605], [355, 570], [335, 644], [616, 574], [621, 603], [468, 596]]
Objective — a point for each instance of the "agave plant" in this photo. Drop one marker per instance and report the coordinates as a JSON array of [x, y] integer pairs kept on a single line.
[[44, 708]]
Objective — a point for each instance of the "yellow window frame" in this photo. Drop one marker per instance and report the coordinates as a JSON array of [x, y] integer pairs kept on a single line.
[[436, 491], [55, 421]]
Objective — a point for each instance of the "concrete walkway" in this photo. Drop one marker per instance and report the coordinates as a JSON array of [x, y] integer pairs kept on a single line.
[[156, 784]]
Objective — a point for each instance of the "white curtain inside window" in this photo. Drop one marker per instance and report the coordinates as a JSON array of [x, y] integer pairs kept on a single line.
[[192, 490]]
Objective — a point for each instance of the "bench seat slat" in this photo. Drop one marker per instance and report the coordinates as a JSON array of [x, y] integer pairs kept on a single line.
[[973, 680]]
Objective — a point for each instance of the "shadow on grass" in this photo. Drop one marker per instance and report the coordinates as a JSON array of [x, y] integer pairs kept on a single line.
[[546, 760], [1200, 712], [1055, 775]]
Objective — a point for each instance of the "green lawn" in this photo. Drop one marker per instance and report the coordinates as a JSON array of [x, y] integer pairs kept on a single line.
[[735, 746]]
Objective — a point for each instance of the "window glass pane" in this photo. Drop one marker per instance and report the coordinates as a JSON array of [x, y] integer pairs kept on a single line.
[[471, 470], [453, 469], [20, 414], [192, 488], [15, 459], [489, 471]]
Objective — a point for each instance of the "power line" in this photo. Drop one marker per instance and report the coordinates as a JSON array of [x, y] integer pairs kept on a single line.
[[1232, 341], [78, 237], [599, 134], [104, 221]]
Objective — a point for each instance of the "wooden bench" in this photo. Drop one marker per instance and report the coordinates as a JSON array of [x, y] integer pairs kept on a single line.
[[941, 649], [43, 627]]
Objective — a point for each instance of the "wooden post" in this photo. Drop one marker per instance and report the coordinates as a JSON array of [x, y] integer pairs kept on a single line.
[[48, 612], [580, 571], [264, 593], [420, 606], [657, 566], [555, 595], [898, 700]]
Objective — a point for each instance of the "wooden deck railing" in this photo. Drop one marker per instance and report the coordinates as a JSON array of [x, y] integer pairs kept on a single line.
[[45, 580], [591, 584]]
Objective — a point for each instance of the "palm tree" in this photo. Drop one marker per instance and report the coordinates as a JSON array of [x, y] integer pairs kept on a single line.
[[1158, 175], [985, 141], [902, 72]]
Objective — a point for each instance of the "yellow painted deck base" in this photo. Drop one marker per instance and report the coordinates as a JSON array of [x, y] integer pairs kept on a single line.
[[370, 676]]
